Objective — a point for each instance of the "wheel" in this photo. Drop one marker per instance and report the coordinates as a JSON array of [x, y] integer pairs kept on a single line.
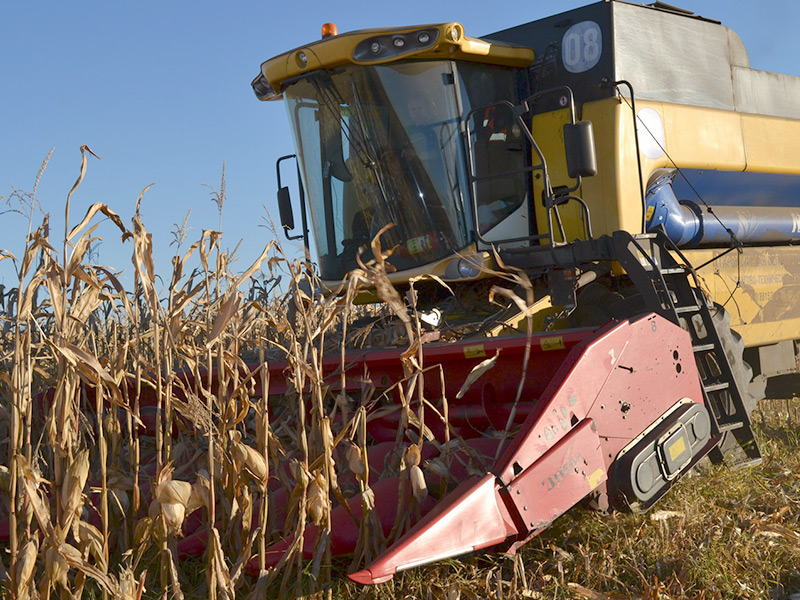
[[750, 390]]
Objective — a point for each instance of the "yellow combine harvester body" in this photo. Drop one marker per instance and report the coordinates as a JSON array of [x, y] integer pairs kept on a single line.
[[698, 138], [722, 138], [624, 160]]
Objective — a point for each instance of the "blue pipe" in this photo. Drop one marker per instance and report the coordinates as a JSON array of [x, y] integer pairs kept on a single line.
[[689, 225]]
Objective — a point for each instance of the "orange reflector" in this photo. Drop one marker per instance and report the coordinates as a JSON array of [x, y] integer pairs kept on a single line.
[[329, 30]]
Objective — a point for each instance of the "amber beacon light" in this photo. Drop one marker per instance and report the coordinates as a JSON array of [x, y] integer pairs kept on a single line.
[[329, 30]]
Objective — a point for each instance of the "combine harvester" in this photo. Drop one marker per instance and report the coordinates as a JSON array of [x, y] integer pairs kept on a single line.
[[630, 163]]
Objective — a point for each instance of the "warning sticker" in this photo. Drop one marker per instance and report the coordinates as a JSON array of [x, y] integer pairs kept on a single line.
[[678, 448], [552, 343], [474, 351]]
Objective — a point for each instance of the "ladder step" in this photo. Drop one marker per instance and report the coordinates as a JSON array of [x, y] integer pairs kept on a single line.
[[673, 271], [730, 426], [687, 309], [703, 347], [715, 387]]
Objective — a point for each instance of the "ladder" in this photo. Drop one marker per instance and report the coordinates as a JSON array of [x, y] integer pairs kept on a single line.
[[669, 286]]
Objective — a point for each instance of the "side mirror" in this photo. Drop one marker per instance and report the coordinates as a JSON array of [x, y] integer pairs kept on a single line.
[[285, 209], [579, 147]]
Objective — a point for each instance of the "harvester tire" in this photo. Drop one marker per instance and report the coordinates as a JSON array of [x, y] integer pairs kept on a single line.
[[751, 391]]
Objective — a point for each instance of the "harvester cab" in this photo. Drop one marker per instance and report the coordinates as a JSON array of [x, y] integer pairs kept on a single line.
[[425, 129], [609, 153]]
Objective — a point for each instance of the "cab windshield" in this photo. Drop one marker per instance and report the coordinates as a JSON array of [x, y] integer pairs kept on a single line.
[[380, 146]]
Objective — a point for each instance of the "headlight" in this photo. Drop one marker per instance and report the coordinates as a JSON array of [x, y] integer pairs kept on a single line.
[[263, 90], [391, 45], [467, 268]]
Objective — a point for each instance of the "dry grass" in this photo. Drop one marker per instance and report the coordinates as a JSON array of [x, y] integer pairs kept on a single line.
[[98, 505], [719, 533]]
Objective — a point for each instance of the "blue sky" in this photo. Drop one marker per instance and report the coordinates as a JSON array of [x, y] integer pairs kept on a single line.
[[160, 90]]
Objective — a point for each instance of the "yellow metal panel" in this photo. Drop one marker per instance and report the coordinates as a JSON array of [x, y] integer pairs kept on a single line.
[[760, 288], [707, 138], [703, 138], [773, 144], [537, 313], [613, 195], [548, 131], [761, 334], [693, 138]]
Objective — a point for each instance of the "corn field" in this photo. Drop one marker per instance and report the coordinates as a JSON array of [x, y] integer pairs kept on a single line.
[[186, 439], [129, 416]]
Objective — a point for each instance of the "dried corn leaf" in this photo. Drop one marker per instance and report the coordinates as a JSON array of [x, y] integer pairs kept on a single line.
[[368, 499], [74, 559], [79, 252], [88, 365], [220, 566], [55, 291], [28, 295], [90, 538], [143, 529], [143, 259], [89, 533], [476, 373], [201, 492], [36, 242], [97, 207], [182, 299], [57, 567], [318, 502], [255, 266], [117, 285], [584, 592], [84, 149], [177, 591], [778, 530], [90, 299], [129, 587], [501, 291], [230, 305], [436, 278], [41, 510], [664, 515]]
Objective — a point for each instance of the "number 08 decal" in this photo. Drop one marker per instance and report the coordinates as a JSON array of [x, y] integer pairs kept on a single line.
[[582, 46]]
